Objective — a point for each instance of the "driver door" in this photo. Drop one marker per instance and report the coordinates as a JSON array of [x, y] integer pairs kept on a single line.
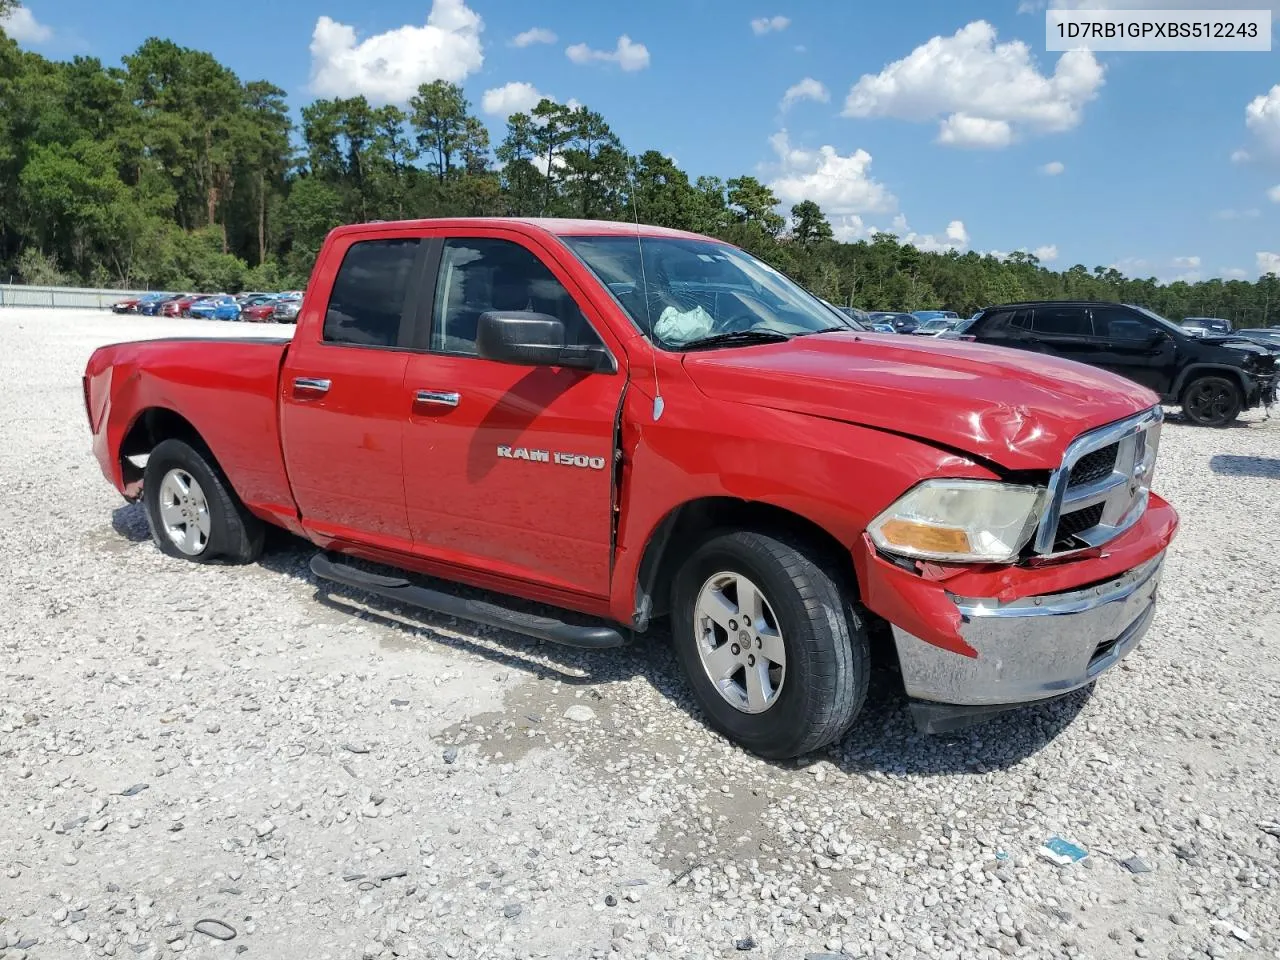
[[509, 469]]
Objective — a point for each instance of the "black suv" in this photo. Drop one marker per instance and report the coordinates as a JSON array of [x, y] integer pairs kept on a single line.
[[1212, 377]]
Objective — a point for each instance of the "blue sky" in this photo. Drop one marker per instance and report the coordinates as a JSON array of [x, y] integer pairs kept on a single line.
[[944, 122]]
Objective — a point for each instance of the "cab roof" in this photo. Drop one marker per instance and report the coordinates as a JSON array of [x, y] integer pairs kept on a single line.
[[556, 226]]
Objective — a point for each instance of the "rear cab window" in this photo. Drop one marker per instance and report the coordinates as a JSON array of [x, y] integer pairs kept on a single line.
[[370, 294]]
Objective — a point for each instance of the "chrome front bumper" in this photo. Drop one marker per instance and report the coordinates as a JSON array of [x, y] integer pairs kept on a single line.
[[1033, 649]]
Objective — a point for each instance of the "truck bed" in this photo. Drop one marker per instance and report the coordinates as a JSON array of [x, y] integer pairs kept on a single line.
[[225, 388]]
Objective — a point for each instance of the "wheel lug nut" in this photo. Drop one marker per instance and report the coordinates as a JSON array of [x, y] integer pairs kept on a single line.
[[735, 649], [751, 661], [759, 644], [733, 624], [746, 621]]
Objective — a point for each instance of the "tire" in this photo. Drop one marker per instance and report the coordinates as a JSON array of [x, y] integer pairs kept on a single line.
[[184, 491], [822, 684], [1212, 401]]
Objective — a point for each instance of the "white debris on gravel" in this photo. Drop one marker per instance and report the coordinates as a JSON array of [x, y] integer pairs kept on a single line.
[[335, 779]]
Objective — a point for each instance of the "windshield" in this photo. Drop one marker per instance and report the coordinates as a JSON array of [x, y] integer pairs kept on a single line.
[[688, 290]]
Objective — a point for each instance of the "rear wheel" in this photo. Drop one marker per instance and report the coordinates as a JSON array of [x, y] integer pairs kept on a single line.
[[1212, 401], [192, 511], [773, 649]]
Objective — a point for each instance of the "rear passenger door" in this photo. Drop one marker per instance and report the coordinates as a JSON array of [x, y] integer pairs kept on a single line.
[[1065, 331], [509, 469], [342, 392]]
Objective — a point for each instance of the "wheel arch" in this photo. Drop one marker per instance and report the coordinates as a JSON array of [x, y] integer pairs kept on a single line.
[[691, 522], [149, 428], [1195, 370]]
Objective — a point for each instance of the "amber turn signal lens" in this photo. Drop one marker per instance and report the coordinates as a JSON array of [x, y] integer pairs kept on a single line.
[[925, 537]]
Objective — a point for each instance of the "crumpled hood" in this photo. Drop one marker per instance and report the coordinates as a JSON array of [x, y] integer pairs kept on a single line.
[[1015, 408]]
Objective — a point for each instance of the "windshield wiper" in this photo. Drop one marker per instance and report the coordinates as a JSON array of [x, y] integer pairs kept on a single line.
[[810, 333], [735, 337]]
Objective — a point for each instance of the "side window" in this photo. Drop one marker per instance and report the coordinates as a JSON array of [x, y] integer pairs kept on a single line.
[[1062, 321], [1111, 323], [369, 293], [482, 274], [1000, 323]]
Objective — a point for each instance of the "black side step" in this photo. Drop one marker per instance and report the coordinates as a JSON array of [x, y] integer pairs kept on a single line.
[[490, 614]]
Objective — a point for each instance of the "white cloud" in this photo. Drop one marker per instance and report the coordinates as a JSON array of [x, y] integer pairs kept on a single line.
[[806, 89], [1053, 168], [983, 92], [1230, 214], [1262, 117], [1130, 266], [516, 97], [762, 25], [841, 185], [534, 35], [389, 67], [1268, 262], [628, 55], [1186, 263], [1045, 254], [1273, 194], [21, 25], [962, 130], [1031, 6], [1240, 156], [1234, 273], [955, 237]]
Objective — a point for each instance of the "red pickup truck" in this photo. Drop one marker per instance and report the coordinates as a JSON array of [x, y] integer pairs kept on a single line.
[[612, 424]]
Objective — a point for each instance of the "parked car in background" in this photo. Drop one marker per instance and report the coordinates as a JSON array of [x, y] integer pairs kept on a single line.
[[126, 306], [934, 327], [923, 316], [286, 311], [260, 312], [959, 330], [1212, 377], [178, 306], [215, 308], [802, 488], [880, 327], [901, 322], [1213, 324]]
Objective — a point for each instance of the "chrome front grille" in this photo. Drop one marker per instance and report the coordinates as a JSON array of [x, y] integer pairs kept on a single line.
[[1102, 486]]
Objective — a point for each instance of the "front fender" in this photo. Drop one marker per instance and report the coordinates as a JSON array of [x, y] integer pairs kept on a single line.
[[836, 475], [1193, 370]]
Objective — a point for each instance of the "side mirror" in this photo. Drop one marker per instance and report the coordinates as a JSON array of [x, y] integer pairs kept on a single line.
[[531, 339]]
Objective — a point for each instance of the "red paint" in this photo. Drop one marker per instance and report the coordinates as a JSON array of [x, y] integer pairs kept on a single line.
[[833, 427], [259, 313]]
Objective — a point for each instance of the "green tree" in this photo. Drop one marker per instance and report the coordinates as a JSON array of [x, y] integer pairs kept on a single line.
[[808, 224], [751, 202]]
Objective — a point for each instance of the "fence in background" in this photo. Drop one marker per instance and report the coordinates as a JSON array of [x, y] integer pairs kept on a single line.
[[20, 295]]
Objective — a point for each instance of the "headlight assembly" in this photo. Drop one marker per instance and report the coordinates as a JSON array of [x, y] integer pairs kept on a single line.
[[961, 521]]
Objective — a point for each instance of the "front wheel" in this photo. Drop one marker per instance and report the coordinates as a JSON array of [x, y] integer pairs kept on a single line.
[[192, 511], [774, 651], [1212, 401]]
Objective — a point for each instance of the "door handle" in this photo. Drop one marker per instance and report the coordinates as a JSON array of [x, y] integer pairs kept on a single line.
[[310, 386], [436, 398]]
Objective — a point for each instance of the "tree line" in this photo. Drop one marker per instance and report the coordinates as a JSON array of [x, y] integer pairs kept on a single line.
[[169, 172]]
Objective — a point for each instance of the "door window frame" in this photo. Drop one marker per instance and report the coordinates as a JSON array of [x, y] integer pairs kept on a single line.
[[1134, 316], [409, 308], [423, 320]]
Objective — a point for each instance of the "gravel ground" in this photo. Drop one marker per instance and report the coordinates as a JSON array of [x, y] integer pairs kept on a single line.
[[339, 780]]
